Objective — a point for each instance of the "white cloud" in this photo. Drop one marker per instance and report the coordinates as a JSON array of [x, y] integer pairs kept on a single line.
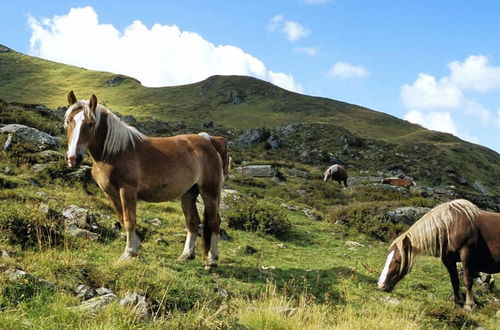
[[475, 73], [158, 56], [438, 121], [452, 92], [292, 30], [427, 93], [311, 51], [346, 70]]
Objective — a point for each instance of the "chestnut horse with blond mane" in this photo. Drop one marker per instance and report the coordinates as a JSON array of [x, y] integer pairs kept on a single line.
[[454, 231], [130, 166]]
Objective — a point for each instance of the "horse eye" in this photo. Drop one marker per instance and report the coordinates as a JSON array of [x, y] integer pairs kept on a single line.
[[91, 125]]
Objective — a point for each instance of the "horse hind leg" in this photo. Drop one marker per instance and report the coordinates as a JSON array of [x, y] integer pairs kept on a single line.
[[188, 203], [211, 224]]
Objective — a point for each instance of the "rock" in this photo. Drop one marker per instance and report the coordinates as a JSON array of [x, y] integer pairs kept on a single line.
[[363, 180], [83, 292], [259, 171], [290, 207], [479, 186], [273, 142], [94, 305], [253, 136], [312, 214], [353, 244], [210, 124], [16, 274], [138, 303], [49, 156], [79, 217], [162, 241], [298, 173], [7, 170], [250, 250], [4, 253], [81, 173], [34, 138], [407, 215], [103, 291], [41, 195], [155, 222], [282, 246], [80, 222], [222, 292], [391, 300]]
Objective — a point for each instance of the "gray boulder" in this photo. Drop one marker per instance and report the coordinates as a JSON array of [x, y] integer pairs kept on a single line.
[[138, 303], [479, 186], [262, 171], [80, 222], [407, 215], [253, 136], [34, 138], [94, 305], [298, 173]]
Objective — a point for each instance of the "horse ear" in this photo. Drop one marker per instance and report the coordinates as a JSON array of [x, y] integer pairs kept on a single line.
[[71, 98], [93, 103]]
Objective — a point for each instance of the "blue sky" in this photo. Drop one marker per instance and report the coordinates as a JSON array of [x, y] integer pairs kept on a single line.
[[436, 63]]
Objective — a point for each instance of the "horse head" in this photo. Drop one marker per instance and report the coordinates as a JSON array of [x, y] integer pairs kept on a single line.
[[397, 265], [79, 122]]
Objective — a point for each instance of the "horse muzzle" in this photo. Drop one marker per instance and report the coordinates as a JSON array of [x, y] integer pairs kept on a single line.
[[384, 287], [74, 160]]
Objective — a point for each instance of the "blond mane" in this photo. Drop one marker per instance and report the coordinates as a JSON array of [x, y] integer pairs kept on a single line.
[[430, 234], [119, 135]]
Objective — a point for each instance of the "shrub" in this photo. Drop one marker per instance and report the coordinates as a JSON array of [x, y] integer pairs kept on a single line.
[[247, 214]]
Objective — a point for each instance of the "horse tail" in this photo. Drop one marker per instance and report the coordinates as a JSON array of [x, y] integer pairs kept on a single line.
[[220, 144]]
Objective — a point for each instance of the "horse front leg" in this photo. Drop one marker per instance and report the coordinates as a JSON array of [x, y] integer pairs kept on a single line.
[[451, 266], [128, 198], [468, 280]]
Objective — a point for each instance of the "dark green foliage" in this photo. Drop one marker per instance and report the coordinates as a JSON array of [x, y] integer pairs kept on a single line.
[[250, 215]]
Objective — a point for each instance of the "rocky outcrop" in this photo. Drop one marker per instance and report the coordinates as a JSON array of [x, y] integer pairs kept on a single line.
[[406, 215], [80, 222], [33, 138], [258, 171]]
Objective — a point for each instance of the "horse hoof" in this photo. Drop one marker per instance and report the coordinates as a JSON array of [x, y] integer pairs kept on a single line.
[[210, 266], [185, 257], [129, 255]]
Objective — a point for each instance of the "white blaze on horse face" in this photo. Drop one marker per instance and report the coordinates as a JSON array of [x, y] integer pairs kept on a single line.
[[383, 275], [327, 175], [72, 148]]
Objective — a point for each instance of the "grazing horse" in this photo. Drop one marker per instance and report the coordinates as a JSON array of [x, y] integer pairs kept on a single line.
[[398, 182], [336, 172], [128, 165], [454, 231]]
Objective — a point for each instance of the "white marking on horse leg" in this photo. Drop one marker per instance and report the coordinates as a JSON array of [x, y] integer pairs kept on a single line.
[[383, 275], [76, 135], [133, 243], [189, 245], [204, 135], [213, 253]]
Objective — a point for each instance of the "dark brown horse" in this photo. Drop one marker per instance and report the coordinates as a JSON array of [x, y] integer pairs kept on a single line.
[[398, 182], [454, 231], [128, 165], [336, 172]]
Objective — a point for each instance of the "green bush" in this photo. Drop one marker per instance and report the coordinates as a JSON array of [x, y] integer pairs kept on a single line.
[[248, 214]]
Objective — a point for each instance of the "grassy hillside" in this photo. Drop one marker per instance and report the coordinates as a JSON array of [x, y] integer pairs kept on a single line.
[[315, 276], [245, 102]]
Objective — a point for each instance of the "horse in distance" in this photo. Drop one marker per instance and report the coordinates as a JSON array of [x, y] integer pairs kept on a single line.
[[336, 172], [130, 166], [456, 231]]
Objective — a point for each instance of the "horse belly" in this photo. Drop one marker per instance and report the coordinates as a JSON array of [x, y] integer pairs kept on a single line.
[[163, 192]]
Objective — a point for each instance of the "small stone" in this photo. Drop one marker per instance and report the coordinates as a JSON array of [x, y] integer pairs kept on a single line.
[[250, 250], [137, 302], [5, 254], [96, 304], [221, 291], [84, 292], [353, 244], [103, 291], [155, 222], [282, 246], [161, 241]]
